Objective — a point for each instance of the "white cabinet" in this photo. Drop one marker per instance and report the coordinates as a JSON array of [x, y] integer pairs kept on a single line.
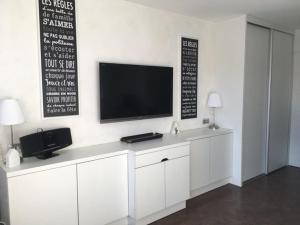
[[102, 190], [221, 157], [150, 190], [200, 163], [99, 185], [161, 180], [47, 197], [211, 161]]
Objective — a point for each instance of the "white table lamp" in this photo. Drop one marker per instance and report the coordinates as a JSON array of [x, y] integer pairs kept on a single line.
[[214, 101], [11, 114]]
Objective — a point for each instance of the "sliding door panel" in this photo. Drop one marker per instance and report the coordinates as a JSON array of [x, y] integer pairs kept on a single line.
[[281, 85], [255, 101]]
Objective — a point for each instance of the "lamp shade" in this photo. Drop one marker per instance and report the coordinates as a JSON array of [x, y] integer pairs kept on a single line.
[[10, 112], [214, 100]]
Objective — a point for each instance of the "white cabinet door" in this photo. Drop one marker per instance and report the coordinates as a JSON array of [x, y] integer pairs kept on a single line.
[[200, 162], [221, 157], [177, 180], [47, 198], [102, 190], [149, 190]]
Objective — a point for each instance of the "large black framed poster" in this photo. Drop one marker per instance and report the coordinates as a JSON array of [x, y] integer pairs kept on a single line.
[[189, 77], [58, 57]]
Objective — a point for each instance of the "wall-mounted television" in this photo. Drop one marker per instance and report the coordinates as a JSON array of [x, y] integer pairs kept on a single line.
[[130, 92]]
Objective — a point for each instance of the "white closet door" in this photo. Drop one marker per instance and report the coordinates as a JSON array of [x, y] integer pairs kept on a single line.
[[44, 198], [177, 180], [255, 101], [149, 190], [281, 85], [200, 162], [102, 190]]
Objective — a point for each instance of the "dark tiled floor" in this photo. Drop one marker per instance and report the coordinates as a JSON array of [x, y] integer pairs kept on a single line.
[[268, 200]]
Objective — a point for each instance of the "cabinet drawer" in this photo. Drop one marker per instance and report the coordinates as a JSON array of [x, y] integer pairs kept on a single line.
[[156, 157]]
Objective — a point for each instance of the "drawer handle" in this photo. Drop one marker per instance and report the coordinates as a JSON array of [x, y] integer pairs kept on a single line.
[[165, 159]]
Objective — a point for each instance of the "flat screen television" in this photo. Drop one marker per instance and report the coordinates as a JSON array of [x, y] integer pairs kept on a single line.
[[130, 92]]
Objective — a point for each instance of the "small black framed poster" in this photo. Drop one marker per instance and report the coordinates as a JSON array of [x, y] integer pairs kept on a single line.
[[189, 78], [58, 57]]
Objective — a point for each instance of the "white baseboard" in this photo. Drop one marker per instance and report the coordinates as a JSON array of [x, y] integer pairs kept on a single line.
[[294, 164], [209, 187], [149, 219], [123, 221], [172, 209], [161, 214]]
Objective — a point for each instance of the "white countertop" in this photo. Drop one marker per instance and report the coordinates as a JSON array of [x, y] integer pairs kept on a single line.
[[194, 134], [66, 158], [85, 154]]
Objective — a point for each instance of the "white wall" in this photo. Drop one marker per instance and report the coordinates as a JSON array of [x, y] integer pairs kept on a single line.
[[111, 31], [294, 157], [229, 56], [119, 31]]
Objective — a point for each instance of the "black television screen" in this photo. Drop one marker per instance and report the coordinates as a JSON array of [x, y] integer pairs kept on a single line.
[[129, 92]]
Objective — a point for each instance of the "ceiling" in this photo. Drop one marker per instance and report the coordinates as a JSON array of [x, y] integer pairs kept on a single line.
[[280, 12]]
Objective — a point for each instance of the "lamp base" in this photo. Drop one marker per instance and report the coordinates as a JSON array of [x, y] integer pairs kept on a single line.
[[213, 126], [12, 158]]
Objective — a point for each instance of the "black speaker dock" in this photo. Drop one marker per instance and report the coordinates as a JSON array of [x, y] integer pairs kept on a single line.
[[43, 143]]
